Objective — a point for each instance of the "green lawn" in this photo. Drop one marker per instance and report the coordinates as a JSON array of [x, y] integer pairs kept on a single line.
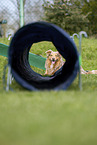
[[51, 117]]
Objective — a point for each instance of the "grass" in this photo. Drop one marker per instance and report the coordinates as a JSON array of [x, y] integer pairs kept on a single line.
[[51, 117]]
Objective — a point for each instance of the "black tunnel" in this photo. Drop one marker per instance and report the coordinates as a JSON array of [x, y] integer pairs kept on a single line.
[[18, 55]]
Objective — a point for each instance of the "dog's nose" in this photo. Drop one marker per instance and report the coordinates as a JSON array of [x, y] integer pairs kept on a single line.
[[53, 59]]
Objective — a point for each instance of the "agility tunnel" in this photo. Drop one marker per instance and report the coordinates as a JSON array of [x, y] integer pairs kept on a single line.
[[18, 57]]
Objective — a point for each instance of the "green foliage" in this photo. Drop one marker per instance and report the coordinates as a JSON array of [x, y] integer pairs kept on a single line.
[[90, 9], [66, 15]]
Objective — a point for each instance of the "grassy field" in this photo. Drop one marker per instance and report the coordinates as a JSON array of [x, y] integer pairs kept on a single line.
[[51, 117]]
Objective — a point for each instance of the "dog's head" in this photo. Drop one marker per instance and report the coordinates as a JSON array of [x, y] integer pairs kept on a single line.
[[53, 57]]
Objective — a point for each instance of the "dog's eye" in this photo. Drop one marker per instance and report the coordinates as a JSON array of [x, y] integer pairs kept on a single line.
[[57, 55]]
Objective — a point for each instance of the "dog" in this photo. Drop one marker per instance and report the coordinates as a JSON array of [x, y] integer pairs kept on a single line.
[[53, 62]]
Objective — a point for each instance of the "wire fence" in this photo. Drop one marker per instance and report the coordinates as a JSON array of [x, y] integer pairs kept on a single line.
[[10, 14]]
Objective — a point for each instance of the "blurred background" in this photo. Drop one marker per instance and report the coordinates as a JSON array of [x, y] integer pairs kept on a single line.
[[71, 15]]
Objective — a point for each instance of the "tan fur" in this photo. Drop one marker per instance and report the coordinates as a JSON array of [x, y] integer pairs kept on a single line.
[[92, 72], [53, 62], [88, 72]]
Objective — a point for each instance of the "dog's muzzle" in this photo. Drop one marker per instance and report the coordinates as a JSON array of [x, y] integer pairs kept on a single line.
[[53, 60]]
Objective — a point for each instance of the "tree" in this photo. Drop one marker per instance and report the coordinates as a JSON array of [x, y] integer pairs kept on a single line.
[[66, 14], [90, 9]]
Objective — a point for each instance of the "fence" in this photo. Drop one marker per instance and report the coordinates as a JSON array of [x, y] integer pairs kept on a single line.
[[11, 11], [31, 10]]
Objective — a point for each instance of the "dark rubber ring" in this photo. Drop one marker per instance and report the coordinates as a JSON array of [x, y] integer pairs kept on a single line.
[[18, 54]]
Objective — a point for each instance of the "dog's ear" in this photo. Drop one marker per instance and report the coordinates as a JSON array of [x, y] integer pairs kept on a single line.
[[59, 54], [48, 52]]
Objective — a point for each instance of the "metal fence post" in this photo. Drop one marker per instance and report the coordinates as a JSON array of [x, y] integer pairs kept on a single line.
[[80, 57], [21, 13]]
